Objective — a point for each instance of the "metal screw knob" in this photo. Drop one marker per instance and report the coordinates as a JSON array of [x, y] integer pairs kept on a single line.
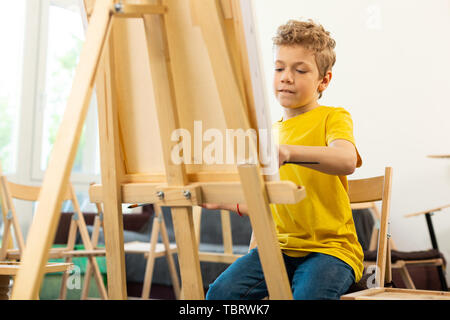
[[160, 195], [118, 7], [187, 194]]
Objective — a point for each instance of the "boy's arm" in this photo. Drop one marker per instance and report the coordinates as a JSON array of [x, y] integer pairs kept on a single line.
[[338, 158], [230, 207]]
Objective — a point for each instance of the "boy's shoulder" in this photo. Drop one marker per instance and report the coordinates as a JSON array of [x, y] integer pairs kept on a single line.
[[319, 114], [330, 109]]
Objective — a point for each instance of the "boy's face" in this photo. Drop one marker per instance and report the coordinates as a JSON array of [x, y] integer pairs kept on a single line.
[[296, 78]]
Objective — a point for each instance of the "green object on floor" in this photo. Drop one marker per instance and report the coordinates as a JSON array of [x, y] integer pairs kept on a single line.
[[51, 284]]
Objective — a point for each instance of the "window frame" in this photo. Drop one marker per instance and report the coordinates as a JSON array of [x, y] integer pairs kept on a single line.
[[79, 179]]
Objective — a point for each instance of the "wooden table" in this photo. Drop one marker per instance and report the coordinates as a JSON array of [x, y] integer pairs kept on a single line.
[[439, 156], [428, 214]]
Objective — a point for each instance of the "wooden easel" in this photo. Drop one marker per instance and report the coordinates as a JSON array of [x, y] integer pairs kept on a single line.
[[157, 66]]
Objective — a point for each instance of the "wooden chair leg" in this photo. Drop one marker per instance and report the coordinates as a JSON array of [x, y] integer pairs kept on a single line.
[[151, 257], [406, 277], [98, 277], [81, 223], [88, 274], [70, 246]]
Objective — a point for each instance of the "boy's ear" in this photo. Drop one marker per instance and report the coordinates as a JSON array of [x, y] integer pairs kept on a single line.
[[325, 81]]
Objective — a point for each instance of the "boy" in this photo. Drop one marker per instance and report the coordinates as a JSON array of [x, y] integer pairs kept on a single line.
[[317, 235]]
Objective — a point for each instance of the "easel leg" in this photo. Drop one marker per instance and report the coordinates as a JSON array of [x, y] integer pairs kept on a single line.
[[264, 229], [188, 259], [168, 121], [111, 178]]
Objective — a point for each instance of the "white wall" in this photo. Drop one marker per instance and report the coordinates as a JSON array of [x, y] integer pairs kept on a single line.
[[391, 74]]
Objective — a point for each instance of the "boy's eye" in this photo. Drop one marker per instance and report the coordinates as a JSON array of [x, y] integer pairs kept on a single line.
[[278, 69], [301, 71]]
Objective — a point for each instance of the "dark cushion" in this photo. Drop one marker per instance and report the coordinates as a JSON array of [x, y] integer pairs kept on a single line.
[[406, 255]]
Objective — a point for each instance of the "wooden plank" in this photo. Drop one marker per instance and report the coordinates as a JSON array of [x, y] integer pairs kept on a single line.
[[365, 190], [165, 102], [252, 73], [9, 206], [151, 255], [436, 209], [138, 247], [212, 192], [397, 294], [264, 229], [42, 231], [7, 240], [383, 251], [228, 258], [112, 170], [226, 231], [169, 250], [98, 221], [12, 268], [439, 156], [138, 10], [30, 193], [226, 9]]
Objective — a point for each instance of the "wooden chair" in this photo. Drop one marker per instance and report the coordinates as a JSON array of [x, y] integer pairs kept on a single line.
[[438, 260], [227, 256], [10, 191], [9, 269], [379, 189], [151, 250], [400, 260]]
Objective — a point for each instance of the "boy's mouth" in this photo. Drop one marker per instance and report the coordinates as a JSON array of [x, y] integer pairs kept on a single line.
[[286, 91]]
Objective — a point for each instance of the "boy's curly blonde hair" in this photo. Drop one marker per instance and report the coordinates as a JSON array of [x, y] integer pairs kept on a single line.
[[313, 37]]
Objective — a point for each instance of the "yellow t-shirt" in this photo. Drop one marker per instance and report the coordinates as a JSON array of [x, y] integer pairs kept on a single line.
[[323, 221]]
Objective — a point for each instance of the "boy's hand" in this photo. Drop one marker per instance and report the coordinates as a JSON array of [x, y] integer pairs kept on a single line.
[[283, 154], [211, 206], [230, 207]]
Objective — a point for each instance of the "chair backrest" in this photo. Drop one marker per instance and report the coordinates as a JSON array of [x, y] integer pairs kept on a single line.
[[9, 191], [371, 190]]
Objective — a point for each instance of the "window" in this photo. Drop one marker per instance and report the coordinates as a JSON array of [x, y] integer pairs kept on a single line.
[[12, 22], [62, 39]]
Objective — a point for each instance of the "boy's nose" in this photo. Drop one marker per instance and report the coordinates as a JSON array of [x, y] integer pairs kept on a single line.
[[286, 77]]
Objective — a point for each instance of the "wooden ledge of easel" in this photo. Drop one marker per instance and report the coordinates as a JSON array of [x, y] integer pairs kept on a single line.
[[396, 294], [427, 211], [285, 192]]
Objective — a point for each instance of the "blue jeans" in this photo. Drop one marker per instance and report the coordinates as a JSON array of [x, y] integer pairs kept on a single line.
[[316, 276]]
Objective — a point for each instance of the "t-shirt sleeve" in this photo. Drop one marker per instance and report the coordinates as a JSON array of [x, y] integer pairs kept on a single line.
[[340, 126]]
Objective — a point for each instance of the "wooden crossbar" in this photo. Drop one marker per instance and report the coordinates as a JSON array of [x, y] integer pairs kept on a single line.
[[138, 10], [212, 192]]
